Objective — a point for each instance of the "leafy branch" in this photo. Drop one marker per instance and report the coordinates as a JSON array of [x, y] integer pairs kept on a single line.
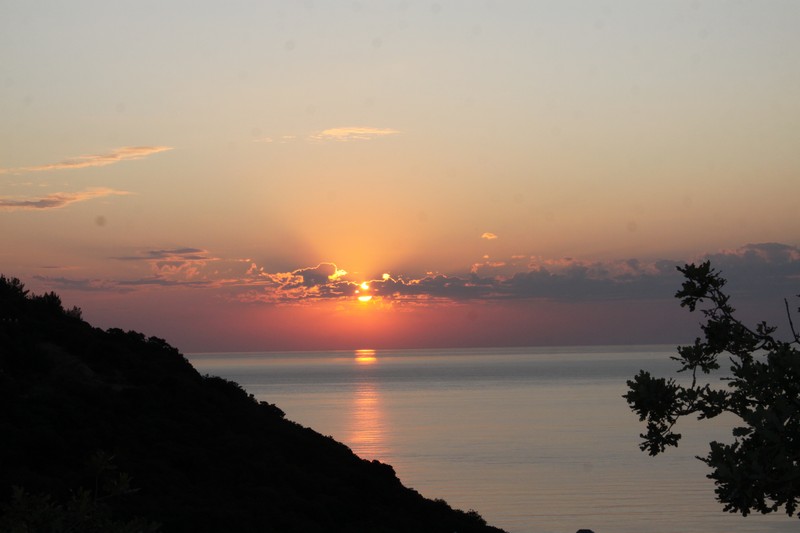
[[760, 470]]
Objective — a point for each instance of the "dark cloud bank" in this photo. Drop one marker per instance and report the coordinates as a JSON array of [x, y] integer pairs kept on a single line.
[[762, 270]]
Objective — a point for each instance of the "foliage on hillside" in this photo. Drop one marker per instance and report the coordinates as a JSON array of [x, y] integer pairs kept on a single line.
[[119, 429]]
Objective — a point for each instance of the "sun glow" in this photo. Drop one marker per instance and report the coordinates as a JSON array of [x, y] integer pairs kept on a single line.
[[364, 297]]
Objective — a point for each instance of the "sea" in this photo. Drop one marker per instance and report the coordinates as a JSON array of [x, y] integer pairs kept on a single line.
[[536, 440]]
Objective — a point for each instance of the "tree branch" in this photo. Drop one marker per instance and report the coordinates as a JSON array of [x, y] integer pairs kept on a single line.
[[791, 324]]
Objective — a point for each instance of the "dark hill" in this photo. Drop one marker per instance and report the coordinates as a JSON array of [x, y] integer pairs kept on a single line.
[[115, 431]]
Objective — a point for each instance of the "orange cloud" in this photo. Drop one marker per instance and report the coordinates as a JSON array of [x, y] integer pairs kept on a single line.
[[488, 266], [324, 281], [56, 200], [489, 236], [94, 160], [353, 133]]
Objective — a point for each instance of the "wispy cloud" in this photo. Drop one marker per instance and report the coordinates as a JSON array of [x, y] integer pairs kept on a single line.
[[176, 267], [340, 134], [353, 133], [282, 139], [56, 200], [119, 286], [182, 254], [125, 153], [489, 236], [174, 264]]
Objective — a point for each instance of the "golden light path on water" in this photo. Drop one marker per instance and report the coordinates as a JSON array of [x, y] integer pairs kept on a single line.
[[367, 424]]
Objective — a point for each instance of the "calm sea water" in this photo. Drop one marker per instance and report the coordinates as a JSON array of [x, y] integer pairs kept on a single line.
[[534, 439]]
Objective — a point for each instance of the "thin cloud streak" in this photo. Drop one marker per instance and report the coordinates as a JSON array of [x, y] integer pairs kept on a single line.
[[175, 264], [56, 200], [125, 153], [340, 134], [353, 133], [183, 254], [118, 286]]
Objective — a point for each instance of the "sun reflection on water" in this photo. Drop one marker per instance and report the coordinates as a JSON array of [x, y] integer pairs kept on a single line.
[[367, 431]]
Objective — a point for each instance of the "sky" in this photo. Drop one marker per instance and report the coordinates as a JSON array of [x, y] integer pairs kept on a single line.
[[304, 175]]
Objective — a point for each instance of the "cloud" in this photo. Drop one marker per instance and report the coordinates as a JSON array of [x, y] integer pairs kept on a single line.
[[120, 286], [765, 266], [182, 254], [353, 133], [117, 155], [56, 200], [341, 134], [162, 282], [759, 254], [325, 281], [320, 274], [175, 263], [494, 268], [767, 270], [85, 285], [176, 267], [526, 278], [283, 139], [489, 236]]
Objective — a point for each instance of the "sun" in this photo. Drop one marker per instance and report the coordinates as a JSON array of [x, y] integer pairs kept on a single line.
[[364, 297], [365, 357]]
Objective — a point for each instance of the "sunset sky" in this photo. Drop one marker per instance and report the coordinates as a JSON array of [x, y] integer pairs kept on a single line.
[[226, 175]]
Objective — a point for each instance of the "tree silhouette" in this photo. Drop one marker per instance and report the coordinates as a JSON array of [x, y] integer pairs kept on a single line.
[[760, 470], [13, 298]]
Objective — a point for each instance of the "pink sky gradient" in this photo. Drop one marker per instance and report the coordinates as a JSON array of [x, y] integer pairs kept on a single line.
[[498, 173]]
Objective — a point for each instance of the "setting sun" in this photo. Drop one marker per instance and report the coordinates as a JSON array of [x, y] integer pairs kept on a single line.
[[364, 297], [365, 357]]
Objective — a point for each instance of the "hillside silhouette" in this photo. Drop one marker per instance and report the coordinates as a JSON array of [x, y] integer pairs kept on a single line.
[[115, 431]]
